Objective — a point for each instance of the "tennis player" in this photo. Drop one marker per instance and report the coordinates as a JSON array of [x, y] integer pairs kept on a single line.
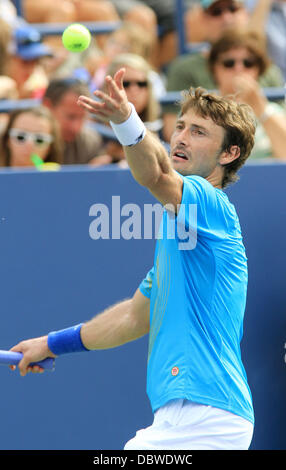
[[192, 301]]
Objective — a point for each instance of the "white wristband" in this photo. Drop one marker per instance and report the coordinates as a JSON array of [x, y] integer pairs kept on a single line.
[[131, 131]]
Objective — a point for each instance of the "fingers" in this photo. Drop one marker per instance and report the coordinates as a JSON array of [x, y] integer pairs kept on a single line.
[[18, 348], [115, 87], [97, 105], [111, 105], [118, 78], [107, 102], [103, 109], [24, 366], [33, 350], [36, 370], [25, 370]]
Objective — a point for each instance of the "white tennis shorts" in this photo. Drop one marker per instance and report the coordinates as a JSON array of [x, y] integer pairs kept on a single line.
[[184, 425]]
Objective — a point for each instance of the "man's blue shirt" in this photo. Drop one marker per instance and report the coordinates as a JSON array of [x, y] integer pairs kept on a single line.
[[197, 289]]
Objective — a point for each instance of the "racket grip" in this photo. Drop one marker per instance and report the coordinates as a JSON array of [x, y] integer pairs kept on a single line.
[[13, 358]]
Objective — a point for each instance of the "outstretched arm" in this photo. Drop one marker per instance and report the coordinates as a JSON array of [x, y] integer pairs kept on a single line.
[[147, 159], [119, 324]]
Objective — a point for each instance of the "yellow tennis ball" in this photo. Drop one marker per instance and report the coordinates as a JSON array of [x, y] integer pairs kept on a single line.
[[76, 37]]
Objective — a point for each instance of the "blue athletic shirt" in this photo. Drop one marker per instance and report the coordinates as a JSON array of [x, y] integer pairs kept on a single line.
[[197, 302]]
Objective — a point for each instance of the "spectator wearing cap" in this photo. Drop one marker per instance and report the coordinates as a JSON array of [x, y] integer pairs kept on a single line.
[[23, 65], [217, 16], [81, 143]]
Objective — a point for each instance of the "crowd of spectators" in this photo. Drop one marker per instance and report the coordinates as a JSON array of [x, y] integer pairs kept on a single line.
[[241, 52]]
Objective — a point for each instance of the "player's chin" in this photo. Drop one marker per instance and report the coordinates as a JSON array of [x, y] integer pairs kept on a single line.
[[181, 166]]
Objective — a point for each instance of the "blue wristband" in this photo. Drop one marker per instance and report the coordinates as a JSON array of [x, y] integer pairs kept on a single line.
[[66, 341]]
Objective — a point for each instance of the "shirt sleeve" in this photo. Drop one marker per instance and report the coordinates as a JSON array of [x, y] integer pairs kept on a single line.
[[146, 285]]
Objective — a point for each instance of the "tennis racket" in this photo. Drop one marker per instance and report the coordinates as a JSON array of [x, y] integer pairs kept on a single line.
[[13, 358]]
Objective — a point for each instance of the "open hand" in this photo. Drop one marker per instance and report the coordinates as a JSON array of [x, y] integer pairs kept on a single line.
[[113, 105]]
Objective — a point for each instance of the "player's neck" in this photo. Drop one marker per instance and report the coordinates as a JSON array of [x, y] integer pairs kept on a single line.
[[216, 177]]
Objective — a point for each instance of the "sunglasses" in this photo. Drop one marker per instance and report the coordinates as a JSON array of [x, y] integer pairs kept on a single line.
[[39, 139], [218, 11], [139, 83], [230, 63]]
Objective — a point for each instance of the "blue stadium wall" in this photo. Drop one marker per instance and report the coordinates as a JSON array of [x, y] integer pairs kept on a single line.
[[53, 274]]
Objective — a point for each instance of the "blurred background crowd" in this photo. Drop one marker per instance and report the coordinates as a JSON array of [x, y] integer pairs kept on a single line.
[[235, 47]]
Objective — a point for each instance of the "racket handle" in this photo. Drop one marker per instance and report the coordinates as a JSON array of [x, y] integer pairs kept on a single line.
[[13, 358]]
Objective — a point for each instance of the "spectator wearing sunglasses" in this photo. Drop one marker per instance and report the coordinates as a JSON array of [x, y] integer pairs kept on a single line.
[[215, 18], [139, 89], [30, 132], [236, 62]]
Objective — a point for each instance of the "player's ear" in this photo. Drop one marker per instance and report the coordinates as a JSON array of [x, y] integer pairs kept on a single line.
[[229, 155]]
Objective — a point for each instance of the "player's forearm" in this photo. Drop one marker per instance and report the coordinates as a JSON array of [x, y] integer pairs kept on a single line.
[[115, 326], [147, 160]]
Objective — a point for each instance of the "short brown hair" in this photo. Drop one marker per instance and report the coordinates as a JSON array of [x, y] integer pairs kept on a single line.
[[235, 38], [59, 87], [238, 121]]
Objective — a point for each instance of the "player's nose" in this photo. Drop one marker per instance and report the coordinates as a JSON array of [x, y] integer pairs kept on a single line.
[[182, 138]]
